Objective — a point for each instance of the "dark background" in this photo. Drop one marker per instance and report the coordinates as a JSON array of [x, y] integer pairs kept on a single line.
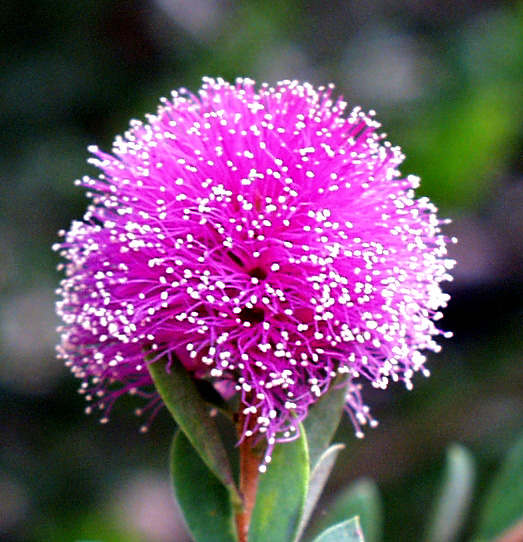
[[446, 80]]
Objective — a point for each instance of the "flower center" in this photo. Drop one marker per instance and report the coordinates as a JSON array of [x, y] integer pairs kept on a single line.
[[254, 316], [258, 272]]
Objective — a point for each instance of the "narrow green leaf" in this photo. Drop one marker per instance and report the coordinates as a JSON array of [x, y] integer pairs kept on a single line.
[[318, 479], [191, 413], [323, 419], [503, 506], [281, 493], [359, 499], [348, 531], [202, 498], [454, 497]]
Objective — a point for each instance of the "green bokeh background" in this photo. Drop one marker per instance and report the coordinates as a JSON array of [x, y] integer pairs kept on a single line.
[[446, 80]]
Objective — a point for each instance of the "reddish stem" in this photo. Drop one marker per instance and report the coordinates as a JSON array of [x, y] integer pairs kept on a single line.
[[249, 473], [513, 534]]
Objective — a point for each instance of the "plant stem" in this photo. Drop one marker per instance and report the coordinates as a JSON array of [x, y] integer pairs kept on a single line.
[[249, 473], [513, 534]]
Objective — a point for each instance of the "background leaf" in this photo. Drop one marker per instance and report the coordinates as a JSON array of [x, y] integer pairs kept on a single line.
[[504, 503], [281, 493], [191, 413], [454, 497], [348, 531], [360, 499], [202, 498]]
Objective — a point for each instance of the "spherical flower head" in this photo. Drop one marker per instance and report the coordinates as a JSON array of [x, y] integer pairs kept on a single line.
[[262, 238]]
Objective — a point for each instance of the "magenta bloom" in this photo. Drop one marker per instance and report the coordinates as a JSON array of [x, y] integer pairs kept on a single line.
[[264, 239]]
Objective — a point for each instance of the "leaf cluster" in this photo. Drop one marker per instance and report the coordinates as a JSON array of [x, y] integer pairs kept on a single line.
[[205, 480]]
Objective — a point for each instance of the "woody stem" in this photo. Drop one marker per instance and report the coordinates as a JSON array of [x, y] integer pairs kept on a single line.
[[249, 473]]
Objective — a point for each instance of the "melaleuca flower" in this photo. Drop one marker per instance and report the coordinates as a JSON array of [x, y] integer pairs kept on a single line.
[[263, 239]]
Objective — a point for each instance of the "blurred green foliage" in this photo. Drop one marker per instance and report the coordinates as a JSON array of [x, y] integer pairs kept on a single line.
[[445, 80]]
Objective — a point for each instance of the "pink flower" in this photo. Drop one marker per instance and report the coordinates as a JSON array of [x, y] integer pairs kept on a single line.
[[262, 238]]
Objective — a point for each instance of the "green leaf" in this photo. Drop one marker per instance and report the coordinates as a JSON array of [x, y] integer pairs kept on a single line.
[[323, 419], [454, 497], [348, 531], [503, 506], [203, 499], [191, 413], [359, 499], [281, 493], [318, 479]]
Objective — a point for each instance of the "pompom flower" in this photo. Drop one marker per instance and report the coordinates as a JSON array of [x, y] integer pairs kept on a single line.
[[264, 240]]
